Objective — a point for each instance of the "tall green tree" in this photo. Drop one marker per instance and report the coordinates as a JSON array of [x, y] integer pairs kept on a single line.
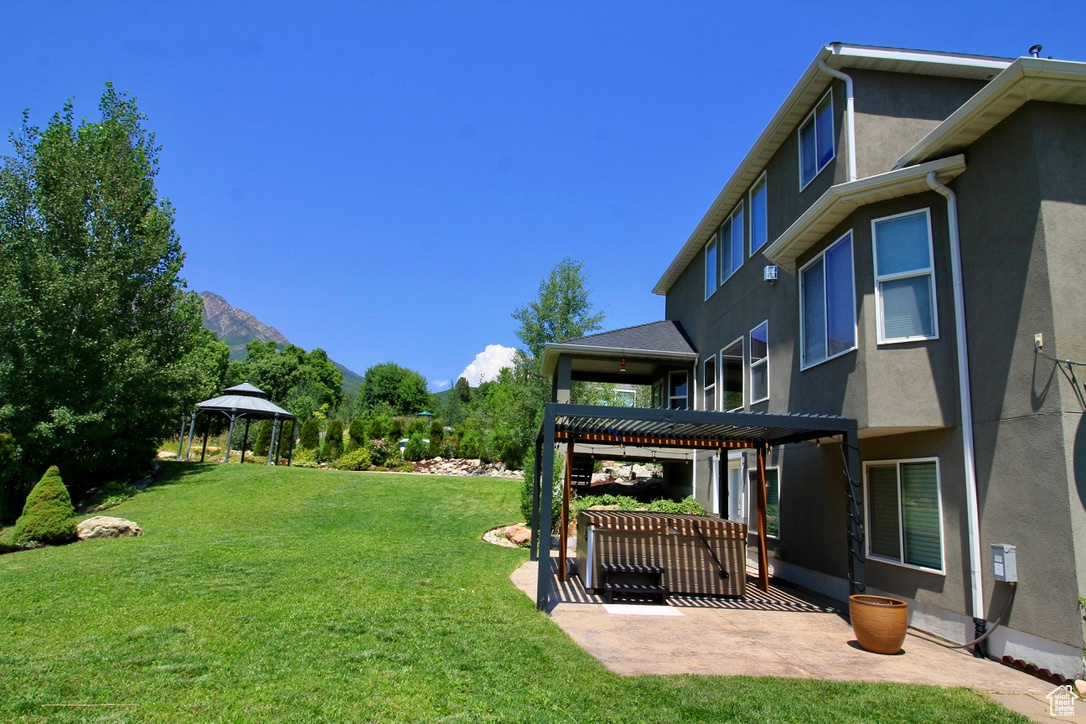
[[403, 390], [301, 381], [95, 320]]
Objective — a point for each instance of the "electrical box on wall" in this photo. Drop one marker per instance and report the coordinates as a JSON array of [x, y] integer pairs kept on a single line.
[[1005, 562]]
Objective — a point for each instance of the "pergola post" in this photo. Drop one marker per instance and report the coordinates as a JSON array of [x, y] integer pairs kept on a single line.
[[562, 544], [245, 438], [537, 474], [543, 582], [181, 438], [192, 429], [857, 546], [271, 448], [763, 556], [230, 437]]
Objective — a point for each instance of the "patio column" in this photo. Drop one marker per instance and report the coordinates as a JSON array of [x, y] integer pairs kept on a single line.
[[565, 513], [763, 556], [537, 474], [543, 581], [857, 546]]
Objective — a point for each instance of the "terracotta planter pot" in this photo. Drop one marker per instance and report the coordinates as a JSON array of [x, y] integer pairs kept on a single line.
[[878, 622]]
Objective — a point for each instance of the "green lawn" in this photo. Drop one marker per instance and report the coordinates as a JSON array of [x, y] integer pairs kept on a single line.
[[262, 593]]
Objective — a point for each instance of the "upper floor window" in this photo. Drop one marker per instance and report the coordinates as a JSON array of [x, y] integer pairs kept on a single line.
[[816, 140], [828, 304], [904, 277], [732, 243], [904, 518], [759, 363], [709, 385], [658, 394], [758, 216], [678, 386], [732, 373], [711, 268]]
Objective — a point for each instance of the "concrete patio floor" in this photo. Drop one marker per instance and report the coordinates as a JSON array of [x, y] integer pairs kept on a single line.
[[788, 633]]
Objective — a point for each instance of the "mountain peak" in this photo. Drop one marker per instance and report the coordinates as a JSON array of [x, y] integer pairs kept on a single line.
[[235, 326]]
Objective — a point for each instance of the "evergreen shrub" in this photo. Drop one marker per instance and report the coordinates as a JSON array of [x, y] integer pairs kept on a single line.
[[333, 441], [416, 448], [48, 516], [357, 459], [311, 434], [263, 438], [356, 435]]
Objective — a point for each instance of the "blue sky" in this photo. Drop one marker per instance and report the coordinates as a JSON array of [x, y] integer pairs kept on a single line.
[[390, 180]]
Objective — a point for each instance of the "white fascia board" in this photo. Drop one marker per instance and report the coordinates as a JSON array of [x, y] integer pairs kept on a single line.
[[927, 57], [1021, 72], [552, 351], [842, 199]]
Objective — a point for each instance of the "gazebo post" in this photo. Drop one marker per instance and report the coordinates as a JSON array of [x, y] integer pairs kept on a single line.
[[230, 437], [543, 531], [763, 557], [290, 448], [562, 545], [245, 438], [271, 448], [192, 429], [181, 438], [207, 433], [537, 472]]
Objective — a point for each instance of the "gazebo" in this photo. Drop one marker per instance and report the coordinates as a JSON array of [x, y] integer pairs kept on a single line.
[[241, 402]]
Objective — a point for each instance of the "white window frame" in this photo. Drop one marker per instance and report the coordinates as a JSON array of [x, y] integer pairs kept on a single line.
[[901, 520], [671, 397], [752, 500], [714, 268], [812, 116], [803, 363], [749, 350], [764, 183], [742, 375], [730, 223], [915, 273], [710, 383]]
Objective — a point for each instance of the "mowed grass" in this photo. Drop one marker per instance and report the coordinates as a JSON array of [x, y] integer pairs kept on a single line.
[[262, 593]]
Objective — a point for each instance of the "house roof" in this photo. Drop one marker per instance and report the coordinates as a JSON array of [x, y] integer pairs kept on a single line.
[[810, 87], [1026, 79], [841, 200], [656, 340]]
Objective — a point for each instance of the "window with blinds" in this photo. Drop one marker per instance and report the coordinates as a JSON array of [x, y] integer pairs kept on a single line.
[[904, 518], [904, 277]]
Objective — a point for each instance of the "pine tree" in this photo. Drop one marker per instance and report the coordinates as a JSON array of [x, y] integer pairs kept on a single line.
[[311, 435], [333, 440], [48, 516]]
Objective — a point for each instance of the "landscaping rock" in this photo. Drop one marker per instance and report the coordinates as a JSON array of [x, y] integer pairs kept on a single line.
[[104, 526], [518, 534], [476, 467], [1080, 687]]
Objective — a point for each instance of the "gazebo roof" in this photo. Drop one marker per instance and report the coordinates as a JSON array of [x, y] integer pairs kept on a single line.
[[245, 400]]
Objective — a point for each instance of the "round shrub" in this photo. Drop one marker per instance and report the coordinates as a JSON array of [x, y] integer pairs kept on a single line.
[[48, 516], [416, 448], [357, 459]]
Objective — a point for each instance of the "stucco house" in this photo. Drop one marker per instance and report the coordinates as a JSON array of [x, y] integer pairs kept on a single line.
[[902, 247]]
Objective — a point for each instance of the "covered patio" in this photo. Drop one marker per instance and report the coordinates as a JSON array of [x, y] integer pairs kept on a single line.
[[599, 431]]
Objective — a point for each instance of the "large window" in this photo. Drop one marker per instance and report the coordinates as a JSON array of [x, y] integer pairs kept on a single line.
[[772, 502], [816, 147], [904, 517], [678, 385], [732, 243], [709, 385], [732, 373], [828, 304], [759, 362], [711, 268], [758, 216], [904, 277]]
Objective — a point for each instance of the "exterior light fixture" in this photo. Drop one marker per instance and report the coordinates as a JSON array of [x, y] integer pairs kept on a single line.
[[622, 366]]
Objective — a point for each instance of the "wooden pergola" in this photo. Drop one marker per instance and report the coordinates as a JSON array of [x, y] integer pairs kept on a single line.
[[650, 429]]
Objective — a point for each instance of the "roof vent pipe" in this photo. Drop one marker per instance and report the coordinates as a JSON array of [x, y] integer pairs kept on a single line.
[[1035, 50], [850, 116]]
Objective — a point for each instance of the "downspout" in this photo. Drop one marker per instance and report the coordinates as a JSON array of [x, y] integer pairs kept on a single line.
[[850, 116], [971, 506]]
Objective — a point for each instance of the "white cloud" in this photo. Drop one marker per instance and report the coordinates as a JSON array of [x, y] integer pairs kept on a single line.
[[439, 385], [488, 364]]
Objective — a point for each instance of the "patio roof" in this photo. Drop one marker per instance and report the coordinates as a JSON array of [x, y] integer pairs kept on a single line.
[[652, 428], [655, 342]]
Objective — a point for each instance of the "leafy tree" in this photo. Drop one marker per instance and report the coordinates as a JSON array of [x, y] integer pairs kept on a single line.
[[356, 435], [97, 325], [48, 516], [311, 434], [11, 491], [301, 381], [263, 438], [562, 311], [333, 440], [403, 390]]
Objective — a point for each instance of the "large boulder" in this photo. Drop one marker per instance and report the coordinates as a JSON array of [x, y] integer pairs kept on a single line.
[[104, 526], [518, 534]]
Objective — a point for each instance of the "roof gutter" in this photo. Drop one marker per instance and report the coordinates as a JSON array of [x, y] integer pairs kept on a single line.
[[971, 507], [850, 115]]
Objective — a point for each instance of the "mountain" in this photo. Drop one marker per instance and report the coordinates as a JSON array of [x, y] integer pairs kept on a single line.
[[238, 328]]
